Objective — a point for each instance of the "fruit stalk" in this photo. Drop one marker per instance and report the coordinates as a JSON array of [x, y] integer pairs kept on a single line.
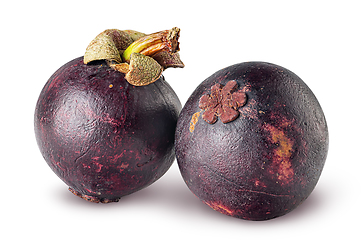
[[152, 44]]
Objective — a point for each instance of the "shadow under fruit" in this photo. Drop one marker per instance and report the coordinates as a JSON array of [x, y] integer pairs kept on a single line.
[[251, 141]]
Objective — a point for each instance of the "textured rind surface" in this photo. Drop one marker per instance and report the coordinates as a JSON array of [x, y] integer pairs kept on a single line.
[[267, 161], [102, 136]]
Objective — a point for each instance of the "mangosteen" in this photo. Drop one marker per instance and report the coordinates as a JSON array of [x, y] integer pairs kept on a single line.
[[105, 122], [251, 141]]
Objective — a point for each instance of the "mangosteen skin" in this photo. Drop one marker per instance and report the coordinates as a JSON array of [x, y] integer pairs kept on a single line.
[[102, 136], [267, 161]]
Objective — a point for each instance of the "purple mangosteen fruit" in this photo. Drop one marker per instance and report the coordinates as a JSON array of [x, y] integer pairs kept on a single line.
[[251, 141], [105, 122]]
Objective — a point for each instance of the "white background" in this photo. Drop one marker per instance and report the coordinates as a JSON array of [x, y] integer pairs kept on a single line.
[[318, 40]]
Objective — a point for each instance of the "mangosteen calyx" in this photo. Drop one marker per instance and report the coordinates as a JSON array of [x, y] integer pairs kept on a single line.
[[141, 57], [223, 102]]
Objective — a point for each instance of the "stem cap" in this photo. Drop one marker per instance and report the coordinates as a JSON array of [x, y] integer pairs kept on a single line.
[[143, 70], [108, 45], [141, 57]]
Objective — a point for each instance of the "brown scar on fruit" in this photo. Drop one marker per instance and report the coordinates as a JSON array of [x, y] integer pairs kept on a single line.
[[281, 166], [194, 120], [223, 102]]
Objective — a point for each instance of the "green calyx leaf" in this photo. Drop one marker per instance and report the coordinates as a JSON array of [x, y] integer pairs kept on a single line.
[[108, 45], [141, 57]]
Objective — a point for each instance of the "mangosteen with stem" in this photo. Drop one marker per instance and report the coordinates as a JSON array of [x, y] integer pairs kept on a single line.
[[105, 122]]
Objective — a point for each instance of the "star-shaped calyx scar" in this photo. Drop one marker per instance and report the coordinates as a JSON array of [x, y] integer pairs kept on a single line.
[[223, 102]]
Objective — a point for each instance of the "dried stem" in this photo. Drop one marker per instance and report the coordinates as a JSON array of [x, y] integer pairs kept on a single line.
[[152, 44]]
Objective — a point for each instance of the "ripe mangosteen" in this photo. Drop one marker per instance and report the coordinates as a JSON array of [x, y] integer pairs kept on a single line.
[[105, 122], [251, 141]]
